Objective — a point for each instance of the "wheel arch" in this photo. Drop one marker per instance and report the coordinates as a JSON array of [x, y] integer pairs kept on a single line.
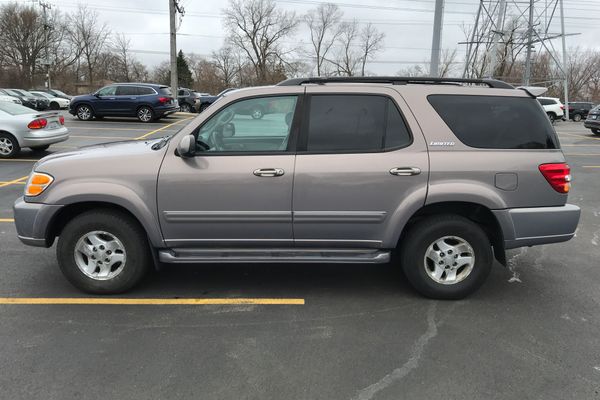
[[477, 213]]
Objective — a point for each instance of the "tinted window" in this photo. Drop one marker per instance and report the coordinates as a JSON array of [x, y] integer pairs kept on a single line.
[[496, 122], [127, 91], [253, 125], [107, 91], [547, 102], [347, 123], [144, 90], [164, 90], [14, 109]]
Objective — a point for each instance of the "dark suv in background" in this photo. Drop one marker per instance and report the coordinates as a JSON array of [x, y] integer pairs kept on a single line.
[[148, 102], [579, 110], [593, 120], [189, 101]]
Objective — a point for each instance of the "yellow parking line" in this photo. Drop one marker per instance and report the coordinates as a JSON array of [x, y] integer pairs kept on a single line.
[[108, 129], [102, 137], [160, 129], [590, 166], [579, 136], [7, 220], [11, 183], [115, 301], [15, 182]]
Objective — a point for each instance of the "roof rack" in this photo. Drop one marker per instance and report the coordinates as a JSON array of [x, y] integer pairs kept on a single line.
[[395, 80]]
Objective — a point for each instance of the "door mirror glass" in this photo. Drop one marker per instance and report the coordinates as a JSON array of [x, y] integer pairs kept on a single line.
[[228, 130], [187, 146]]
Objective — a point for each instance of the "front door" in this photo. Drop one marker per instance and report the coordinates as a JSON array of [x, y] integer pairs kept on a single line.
[[105, 100], [358, 163], [237, 190]]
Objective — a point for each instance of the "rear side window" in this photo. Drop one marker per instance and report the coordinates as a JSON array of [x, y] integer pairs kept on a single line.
[[355, 123], [547, 102], [164, 90], [144, 90], [493, 122]]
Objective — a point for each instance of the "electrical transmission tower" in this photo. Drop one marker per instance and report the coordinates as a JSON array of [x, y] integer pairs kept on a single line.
[[505, 31]]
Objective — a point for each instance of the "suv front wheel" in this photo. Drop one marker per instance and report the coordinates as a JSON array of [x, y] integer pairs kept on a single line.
[[103, 252], [446, 256]]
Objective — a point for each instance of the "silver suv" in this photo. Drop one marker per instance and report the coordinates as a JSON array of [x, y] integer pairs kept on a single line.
[[447, 174]]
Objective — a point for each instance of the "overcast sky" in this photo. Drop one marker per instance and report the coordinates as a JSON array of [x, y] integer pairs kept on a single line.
[[407, 25]]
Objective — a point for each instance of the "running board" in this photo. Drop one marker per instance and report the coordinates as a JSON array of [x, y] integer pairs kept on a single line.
[[362, 256]]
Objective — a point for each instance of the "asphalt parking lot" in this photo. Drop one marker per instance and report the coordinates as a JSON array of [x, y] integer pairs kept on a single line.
[[346, 332]]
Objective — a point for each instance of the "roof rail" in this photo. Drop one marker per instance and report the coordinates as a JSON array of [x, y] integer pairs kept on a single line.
[[395, 80]]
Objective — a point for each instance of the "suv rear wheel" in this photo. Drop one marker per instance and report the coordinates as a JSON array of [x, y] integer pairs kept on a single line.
[[103, 252], [145, 114], [596, 131], [185, 107], [446, 256], [577, 117], [552, 116]]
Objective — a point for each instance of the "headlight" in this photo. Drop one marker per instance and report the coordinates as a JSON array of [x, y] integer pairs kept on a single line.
[[37, 183]]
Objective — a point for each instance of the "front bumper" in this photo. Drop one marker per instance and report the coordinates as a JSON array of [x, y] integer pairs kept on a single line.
[[32, 221], [537, 225], [592, 123]]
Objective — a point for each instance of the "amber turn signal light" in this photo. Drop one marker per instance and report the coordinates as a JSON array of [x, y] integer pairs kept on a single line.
[[37, 183]]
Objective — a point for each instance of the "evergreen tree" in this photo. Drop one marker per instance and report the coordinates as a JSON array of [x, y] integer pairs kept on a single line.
[[184, 74]]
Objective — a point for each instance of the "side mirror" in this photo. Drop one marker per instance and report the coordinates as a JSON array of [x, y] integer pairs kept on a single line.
[[187, 146], [96, 95], [228, 130]]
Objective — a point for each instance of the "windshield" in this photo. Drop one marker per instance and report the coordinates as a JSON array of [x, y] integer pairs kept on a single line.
[[15, 109], [42, 94], [23, 92], [59, 92]]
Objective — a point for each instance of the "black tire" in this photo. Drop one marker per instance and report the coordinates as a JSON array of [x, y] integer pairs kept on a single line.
[[552, 116], [185, 107], [54, 106], [596, 131], [40, 148], [203, 107], [428, 230], [9, 146], [145, 114], [577, 117], [122, 226], [84, 112]]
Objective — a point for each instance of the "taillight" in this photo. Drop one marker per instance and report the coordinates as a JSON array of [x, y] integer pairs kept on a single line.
[[558, 176], [163, 100], [61, 119], [39, 123], [562, 107]]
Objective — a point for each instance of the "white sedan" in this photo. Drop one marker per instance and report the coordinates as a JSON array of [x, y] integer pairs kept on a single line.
[[10, 99], [55, 102], [23, 127]]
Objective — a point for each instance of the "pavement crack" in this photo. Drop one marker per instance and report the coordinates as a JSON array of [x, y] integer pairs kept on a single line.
[[412, 363]]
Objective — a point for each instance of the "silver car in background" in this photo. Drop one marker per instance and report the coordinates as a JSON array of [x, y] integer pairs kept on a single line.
[[23, 127]]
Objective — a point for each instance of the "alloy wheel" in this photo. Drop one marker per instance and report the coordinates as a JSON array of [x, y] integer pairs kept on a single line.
[[449, 260], [100, 255], [6, 146]]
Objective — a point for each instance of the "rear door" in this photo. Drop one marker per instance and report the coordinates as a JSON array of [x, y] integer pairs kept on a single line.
[[126, 99], [361, 157]]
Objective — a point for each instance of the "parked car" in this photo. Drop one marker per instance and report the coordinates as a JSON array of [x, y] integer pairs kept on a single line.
[[579, 110], [40, 103], [189, 101], [10, 99], [54, 92], [447, 176], [26, 100], [56, 103], [23, 127], [593, 120], [148, 102], [553, 107], [206, 99]]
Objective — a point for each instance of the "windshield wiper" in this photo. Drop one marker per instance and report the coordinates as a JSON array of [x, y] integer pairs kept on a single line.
[[163, 141]]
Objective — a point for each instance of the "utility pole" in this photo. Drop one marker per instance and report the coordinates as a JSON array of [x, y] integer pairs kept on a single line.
[[46, 6], [438, 21], [527, 77], [174, 8], [565, 67], [498, 34]]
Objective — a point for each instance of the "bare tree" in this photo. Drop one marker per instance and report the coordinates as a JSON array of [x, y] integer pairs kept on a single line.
[[89, 36], [257, 28], [347, 58], [323, 24], [227, 61], [371, 41], [121, 46], [447, 62], [22, 38]]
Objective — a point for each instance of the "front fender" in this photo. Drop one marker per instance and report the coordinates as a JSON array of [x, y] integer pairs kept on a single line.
[[112, 193]]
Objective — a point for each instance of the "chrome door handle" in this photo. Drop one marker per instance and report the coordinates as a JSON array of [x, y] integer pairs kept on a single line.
[[405, 171], [269, 172]]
